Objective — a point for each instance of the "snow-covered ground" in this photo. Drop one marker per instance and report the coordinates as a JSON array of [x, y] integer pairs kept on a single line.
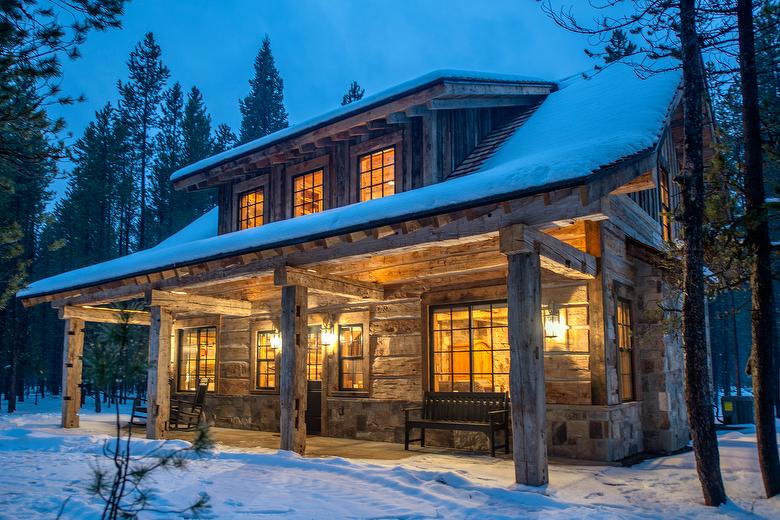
[[41, 466]]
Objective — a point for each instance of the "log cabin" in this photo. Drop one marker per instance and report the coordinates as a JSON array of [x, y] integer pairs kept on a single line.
[[461, 232]]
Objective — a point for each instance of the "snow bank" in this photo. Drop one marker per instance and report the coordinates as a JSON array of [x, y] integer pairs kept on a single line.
[[43, 466], [578, 129]]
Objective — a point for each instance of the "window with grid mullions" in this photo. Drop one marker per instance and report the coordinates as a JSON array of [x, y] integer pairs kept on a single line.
[[377, 174], [250, 209], [308, 192], [470, 348]]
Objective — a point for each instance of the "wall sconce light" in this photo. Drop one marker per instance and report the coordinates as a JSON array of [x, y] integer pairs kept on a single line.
[[328, 336], [554, 326], [276, 341]]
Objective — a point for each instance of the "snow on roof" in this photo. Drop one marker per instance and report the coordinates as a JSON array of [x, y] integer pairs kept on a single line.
[[578, 129], [342, 112]]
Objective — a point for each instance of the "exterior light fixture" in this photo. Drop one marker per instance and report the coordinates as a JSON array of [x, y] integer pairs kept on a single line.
[[328, 336], [276, 341], [554, 326]]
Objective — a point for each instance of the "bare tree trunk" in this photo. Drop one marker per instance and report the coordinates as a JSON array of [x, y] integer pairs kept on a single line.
[[697, 388], [757, 239]]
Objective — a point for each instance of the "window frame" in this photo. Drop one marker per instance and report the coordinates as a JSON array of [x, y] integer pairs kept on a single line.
[[356, 151], [261, 182], [179, 347], [431, 309], [359, 360], [256, 363], [293, 171], [316, 330], [665, 204], [303, 175], [627, 306]]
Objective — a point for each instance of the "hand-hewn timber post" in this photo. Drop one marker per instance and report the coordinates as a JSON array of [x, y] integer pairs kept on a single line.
[[526, 350], [158, 389], [72, 350], [292, 383]]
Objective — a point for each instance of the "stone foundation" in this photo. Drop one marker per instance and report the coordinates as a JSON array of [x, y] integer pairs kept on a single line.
[[603, 433]]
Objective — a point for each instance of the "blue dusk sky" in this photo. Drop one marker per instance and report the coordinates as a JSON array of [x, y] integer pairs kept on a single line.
[[320, 46]]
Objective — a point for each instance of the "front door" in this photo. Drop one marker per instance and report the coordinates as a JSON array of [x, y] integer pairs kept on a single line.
[[314, 381]]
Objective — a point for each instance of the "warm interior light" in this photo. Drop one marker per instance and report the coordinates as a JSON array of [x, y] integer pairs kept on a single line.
[[178, 292], [554, 325]]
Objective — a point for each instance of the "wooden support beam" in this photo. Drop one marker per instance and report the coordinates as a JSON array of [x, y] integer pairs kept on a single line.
[[481, 102], [556, 256], [158, 391], [292, 383], [331, 284], [397, 118], [526, 368], [72, 350], [104, 315], [183, 302], [643, 182]]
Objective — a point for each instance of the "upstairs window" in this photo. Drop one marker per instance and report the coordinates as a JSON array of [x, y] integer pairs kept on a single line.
[[377, 174], [308, 193], [666, 204], [250, 209]]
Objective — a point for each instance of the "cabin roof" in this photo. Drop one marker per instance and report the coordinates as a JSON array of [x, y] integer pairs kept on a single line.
[[368, 102], [583, 127]]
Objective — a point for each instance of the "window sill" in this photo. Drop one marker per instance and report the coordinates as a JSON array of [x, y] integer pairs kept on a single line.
[[264, 392], [349, 393]]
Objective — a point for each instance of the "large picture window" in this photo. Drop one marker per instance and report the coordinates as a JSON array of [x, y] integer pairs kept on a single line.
[[470, 348], [626, 349], [308, 192], [197, 358], [377, 174], [250, 209], [314, 354], [265, 368], [351, 357]]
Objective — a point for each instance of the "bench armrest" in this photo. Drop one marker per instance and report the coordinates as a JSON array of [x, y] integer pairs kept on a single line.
[[410, 409], [493, 415]]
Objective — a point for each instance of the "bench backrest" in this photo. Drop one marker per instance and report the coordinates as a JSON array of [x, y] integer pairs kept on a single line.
[[462, 406]]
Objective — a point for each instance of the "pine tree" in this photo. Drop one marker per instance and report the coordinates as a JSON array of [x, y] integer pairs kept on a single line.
[[140, 99], [262, 110], [354, 93], [224, 138], [619, 46], [196, 133], [170, 152]]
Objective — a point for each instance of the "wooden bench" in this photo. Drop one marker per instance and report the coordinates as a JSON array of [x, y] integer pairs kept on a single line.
[[486, 412]]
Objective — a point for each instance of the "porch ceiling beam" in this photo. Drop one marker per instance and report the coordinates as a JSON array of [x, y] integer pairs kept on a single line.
[[643, 182], [183, 302], [331, 284], [104, 315], [555, 255]]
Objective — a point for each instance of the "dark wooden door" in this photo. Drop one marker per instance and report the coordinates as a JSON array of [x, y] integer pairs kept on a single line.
[[314, 407]]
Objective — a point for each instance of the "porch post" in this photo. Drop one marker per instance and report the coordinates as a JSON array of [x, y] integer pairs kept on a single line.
[[158, 390], [72, 350], [292, 384], [526, 346]]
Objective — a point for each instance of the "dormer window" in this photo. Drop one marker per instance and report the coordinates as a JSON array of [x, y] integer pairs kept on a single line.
[[308, 193], [377, 174], [250, 209]]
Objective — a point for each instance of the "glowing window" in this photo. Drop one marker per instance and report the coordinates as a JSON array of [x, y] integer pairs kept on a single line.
[[470, 348], [314, 354], [351, 357], [265, 369], [308, 193], [377, 174], [626, 348], [197, 358], [250, 209]]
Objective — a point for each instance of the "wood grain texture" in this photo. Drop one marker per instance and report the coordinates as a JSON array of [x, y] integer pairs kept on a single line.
[[72, 350], [158, 388], [292, 384]]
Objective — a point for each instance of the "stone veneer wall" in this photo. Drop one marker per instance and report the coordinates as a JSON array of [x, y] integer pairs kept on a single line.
[[659, 364], [604, 433]]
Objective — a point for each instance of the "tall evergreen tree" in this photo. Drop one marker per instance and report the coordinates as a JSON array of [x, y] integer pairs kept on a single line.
[[354, 93], [140, 99], [170, 153], [262, 110], [224, 138], [619, 46], [198, 144]]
